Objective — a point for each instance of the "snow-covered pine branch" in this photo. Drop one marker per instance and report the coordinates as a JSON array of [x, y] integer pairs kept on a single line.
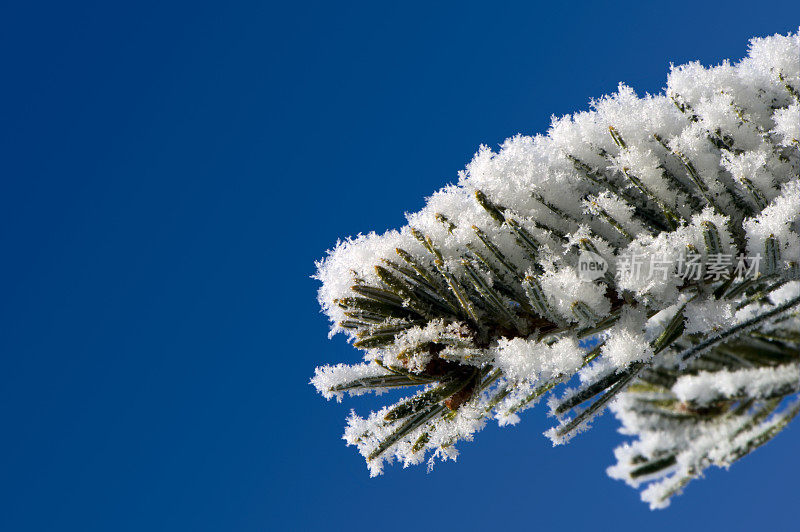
[[646, 251]]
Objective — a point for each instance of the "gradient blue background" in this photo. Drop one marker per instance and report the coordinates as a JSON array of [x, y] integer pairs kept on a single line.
[[170, 173]]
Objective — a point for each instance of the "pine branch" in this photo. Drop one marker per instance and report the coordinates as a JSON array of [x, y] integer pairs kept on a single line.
[[664, 231]]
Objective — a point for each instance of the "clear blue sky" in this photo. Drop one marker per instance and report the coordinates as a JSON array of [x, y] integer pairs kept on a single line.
[[170, 172]]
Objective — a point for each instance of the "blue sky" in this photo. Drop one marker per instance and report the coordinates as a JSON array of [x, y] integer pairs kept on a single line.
[[171, 171]]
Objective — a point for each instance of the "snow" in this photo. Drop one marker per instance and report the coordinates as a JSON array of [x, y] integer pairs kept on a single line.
[[709, 315], [778, 220], [326, 378], [529, 359], [626, 342], [564, 288], [706, 387]]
